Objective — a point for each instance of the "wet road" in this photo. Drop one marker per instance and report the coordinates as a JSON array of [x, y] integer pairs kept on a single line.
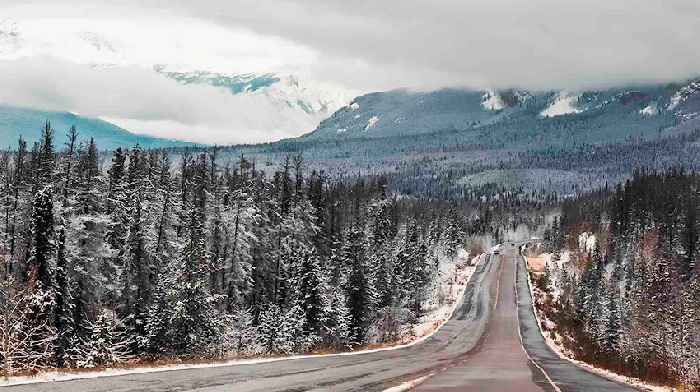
[[478, 349], [500, 364]]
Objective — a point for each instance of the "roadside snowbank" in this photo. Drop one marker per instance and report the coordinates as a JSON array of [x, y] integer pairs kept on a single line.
[[553, 341]]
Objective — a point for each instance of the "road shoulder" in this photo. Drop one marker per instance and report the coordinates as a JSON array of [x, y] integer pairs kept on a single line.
[[566, 375]]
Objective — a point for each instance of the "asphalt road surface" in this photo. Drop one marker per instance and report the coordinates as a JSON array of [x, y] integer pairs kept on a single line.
[[478, 349]]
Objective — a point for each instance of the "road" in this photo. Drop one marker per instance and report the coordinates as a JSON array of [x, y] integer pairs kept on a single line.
[[478, 349]]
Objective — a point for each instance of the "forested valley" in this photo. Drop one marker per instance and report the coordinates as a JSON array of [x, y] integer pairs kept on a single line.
[[140, 256], [622, 288]]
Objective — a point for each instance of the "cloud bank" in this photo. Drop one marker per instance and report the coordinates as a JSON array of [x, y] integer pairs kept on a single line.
[[364, 45]]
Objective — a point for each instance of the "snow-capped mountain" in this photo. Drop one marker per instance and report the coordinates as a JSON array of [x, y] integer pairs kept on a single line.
[[267, 101], [300, 92]]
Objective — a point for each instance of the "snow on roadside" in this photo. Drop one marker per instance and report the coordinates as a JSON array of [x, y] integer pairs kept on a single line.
[[440, 314], [435, 319], [553, 343]]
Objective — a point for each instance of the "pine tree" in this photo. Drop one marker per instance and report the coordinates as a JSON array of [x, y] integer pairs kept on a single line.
[[193, 321], [106, 346], [137, 272], [72, 145], [66, 343], [358, 289], [310, 293], [46, 160], [18, 183], [42, 253]]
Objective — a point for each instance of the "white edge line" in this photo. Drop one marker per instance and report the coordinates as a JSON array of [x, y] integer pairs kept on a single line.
[[408, 385], [67, 376], [517, 314]]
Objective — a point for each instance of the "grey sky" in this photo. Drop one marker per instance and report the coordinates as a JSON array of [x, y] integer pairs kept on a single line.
[[378, 45], [428, 44]]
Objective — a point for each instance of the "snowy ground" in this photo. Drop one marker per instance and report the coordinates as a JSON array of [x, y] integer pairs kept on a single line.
[[554, 342], [437, 315], [426, 327]]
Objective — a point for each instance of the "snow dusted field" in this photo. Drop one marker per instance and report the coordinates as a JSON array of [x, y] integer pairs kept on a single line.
[[554, 341], [458, 272]]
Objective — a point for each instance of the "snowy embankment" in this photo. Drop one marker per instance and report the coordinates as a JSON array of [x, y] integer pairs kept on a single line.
[[438, 314], [431, 322], [554, 340]]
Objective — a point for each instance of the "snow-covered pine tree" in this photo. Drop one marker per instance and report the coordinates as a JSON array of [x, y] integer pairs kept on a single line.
[[43, 247], [67, 342], [107, 346], [310, 292], [359, 292], [136, 276], [16, 220], [194, 322]]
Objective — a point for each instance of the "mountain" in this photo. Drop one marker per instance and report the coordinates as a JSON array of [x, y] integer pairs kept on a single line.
[[512, 119], [279, 103], [462, 144], [298, 101], [28, 123]]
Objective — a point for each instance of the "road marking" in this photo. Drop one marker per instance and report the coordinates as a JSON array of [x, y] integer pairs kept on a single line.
[[517, 314], [408, 384]]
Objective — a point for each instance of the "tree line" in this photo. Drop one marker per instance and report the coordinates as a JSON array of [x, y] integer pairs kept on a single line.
[[631, 302], [143, 255]]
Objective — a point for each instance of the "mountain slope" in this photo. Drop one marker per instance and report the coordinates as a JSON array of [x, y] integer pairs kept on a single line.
[[28, 123], [507, 119], [464, 144]]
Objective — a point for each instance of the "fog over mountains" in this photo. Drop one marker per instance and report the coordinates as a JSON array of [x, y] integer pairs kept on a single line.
[[196, 97]]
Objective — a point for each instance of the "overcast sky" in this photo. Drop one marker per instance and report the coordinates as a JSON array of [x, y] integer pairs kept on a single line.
[[359, 45]]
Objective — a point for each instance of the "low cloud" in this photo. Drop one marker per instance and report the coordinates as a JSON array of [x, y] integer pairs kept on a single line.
[[144, 102], [371, 45]]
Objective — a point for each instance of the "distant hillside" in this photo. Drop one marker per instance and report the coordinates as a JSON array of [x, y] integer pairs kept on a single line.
[[29, 123], [510, 119], [462, 144]]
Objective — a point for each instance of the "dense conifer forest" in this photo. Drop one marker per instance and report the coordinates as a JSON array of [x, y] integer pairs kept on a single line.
[[134, 257], [630, 299]]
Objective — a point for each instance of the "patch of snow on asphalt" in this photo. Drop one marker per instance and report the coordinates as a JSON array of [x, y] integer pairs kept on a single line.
[[408, 384]]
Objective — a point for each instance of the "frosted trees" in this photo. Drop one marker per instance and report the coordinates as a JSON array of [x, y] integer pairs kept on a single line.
[[26, 339], [200, 257], [136, 276], [106, 346], [359, 291]]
